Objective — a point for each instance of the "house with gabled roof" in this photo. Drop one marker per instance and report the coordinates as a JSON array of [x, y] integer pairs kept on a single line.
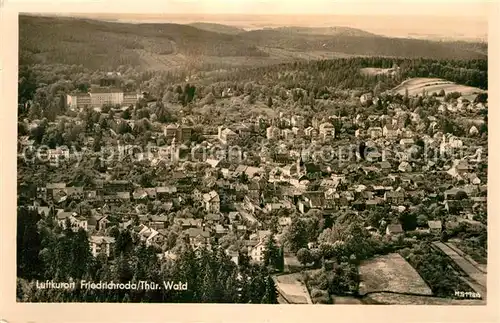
[[394, 197], [198, 237], [101, 244], [435, 226], [390, 131], [394, 230], [211, 201]]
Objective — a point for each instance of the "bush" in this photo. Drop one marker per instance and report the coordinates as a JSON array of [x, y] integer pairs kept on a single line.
[[318, 292]]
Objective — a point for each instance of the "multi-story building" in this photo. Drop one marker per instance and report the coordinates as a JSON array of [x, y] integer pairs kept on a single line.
[[180, 133], [184, 133], [226, 135], [212, 202], [97, 97], [272, 132], [78, 100], [101, 244], [326, 130], [103, 96], [130, 98]]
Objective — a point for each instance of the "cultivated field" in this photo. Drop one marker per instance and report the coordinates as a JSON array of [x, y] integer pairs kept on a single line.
[[391, 273], [291, 288], [478, 277], [416, 86]]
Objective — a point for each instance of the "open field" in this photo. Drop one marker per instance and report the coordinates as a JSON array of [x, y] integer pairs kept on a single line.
[[293, 290], [399, 299], [391, 273], [286, 55], [415, 86]]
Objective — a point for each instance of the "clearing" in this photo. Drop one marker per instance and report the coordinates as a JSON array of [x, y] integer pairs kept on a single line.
[[415, 86], [377, 71], [391, 273]]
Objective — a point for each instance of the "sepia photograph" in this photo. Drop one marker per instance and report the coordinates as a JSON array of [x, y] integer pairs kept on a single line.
[[314, 153]]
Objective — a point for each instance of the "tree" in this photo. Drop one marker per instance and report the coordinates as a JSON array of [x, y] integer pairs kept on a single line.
[[316, 256], [123, 128], [29, 244], [408, 221], [304, 256], [126, 114], [297, 236], [271, 294], [27, 84], [270, 102], [481, 98], [461, 195], [35, 111], [273, 256], [248, 88]]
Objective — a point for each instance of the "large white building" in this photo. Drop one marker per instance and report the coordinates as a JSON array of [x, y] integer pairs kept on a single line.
[[98, 97]]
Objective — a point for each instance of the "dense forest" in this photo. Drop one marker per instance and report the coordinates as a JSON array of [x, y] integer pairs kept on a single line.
[[345, 73]]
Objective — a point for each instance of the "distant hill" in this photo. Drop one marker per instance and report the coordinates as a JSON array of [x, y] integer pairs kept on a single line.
[[363, 45], [217, 28], [100, 44], [325, 31]]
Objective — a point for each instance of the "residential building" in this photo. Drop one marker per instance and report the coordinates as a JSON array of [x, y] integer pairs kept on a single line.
[[394, 197], [326, 130], [365, 98], [78, 100], [375, 132], [394, 230], [390, 131], [177, 132], [435, 227], [226, 135], [272, 132], [212, 202], [101, 244]]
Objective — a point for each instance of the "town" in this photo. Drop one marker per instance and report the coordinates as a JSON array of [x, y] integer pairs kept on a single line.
[[256, 185]]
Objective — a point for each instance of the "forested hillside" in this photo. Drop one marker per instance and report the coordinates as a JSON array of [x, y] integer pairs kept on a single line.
[[97, 44], [361, 45], [345, 73], [108, 45], [329, 31], [217, 28]]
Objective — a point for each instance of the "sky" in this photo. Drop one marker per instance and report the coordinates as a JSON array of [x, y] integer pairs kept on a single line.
[[476, 8], [437, 19]]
